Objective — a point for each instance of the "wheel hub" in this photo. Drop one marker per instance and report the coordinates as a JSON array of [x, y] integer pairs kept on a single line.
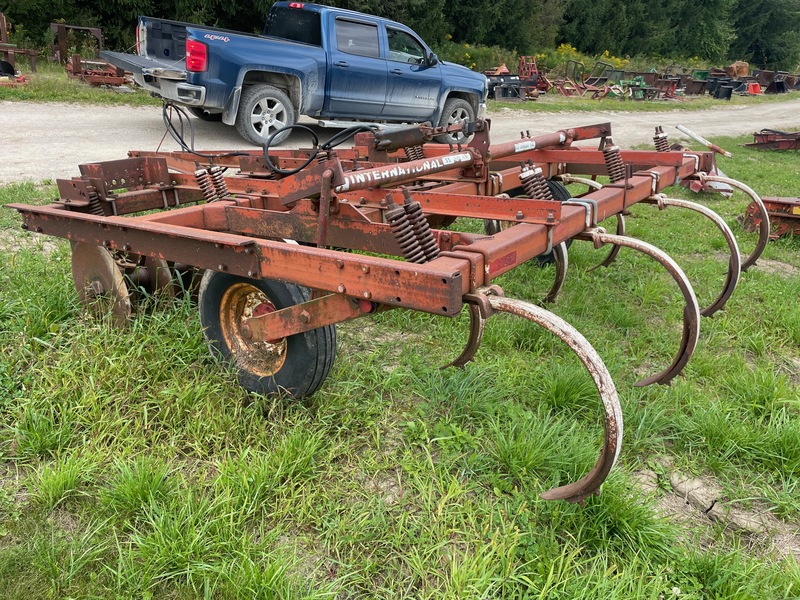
[[239, 304]]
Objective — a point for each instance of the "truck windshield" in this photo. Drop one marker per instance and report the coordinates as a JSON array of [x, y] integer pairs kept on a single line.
[[294, 24]]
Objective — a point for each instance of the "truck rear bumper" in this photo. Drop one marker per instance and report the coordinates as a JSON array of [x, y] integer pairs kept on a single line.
[[185, 93]]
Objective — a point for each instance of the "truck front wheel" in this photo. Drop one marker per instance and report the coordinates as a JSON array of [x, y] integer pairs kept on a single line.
[[455, 111], [262, 111]]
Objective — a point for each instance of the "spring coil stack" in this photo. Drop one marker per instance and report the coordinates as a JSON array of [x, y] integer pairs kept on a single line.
[[534, 183], [218, 180], [421, 227], [206, 184], [661, 140], [95, 204], [614, 164], [414, 152], [411, 230]]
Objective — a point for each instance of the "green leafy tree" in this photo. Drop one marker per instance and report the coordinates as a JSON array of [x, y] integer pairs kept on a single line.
[[767, 34]]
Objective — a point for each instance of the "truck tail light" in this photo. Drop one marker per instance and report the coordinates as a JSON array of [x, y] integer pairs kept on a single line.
[[296, 5], [196, 56], [141, 39]]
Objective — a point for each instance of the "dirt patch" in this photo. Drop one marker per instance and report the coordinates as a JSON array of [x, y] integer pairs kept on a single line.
[[775, 267], [13, 241], [700, 506], [58, 131]]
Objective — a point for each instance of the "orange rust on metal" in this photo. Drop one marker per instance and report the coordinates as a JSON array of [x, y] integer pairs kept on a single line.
[[784, 216]]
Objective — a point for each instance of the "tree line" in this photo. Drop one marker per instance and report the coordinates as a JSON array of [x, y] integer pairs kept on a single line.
[[765, 33]]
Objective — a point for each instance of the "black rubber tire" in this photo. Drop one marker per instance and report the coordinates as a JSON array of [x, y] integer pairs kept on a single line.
[[560, 193], [271, 103], [455, 110], [204, 115], [303, 360]]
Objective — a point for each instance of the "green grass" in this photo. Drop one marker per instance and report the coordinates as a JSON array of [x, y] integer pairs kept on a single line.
[[132, 465]]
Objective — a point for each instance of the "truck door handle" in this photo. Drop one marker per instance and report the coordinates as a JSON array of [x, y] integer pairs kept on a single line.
[[341, 63], [396, 71]]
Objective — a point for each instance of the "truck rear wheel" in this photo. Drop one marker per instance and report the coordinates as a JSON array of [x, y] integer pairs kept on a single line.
[[296, 365], [263, 110], [455, 111]]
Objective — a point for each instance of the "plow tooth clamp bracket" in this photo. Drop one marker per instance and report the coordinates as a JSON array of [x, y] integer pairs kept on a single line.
[[590, 206], [656, 179], [479, 311]]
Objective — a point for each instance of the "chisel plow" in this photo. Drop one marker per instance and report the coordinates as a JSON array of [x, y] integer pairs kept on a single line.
[[285, 244]]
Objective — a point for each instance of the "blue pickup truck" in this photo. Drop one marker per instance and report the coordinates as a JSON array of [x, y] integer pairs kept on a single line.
[[311, 60]]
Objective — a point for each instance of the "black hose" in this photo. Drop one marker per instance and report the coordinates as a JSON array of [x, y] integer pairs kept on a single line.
[[180, 135], [314, 153], [345, 135]]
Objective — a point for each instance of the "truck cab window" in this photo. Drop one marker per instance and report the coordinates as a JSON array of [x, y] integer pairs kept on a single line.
[[404, 48], [294, 24], [357, 38]]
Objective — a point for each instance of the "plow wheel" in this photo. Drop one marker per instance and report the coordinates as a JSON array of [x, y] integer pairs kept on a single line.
[[162, 279], [99, 281], [296, 365]]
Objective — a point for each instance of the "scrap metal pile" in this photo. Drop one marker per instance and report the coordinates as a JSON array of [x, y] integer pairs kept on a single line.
[[288, 243]]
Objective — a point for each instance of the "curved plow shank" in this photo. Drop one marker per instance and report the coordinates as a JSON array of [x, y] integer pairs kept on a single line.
[[590, 483], [763, 232], [612, 256], [561, 260], [477, 325], [691, 313], [735, 261]]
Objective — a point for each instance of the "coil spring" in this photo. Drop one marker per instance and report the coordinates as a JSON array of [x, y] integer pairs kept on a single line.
[[614, 164], [327, 155], [421, 227], [534, 183], [219, 182], [414, 152], [95, 204], [206, 183], [404, 233], [661, 140]]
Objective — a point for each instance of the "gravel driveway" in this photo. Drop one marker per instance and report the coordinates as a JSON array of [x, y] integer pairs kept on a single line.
[[49, 140]]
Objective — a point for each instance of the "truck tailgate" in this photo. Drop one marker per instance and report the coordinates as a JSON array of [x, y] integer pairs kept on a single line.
[[141, 65]]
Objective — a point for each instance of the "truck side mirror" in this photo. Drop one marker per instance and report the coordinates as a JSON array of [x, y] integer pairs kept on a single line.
[[432, 60]]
